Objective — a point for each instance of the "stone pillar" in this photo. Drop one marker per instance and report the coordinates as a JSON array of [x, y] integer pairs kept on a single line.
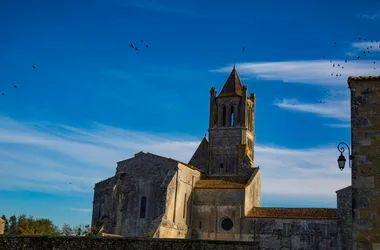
[[365, 136], [243, 108], [212, 107], [252, 97], [220, 115], [228, 115], [2, 226], [236, 114]]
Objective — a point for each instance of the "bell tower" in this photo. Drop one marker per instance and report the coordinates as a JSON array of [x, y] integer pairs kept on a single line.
[[231, 129]]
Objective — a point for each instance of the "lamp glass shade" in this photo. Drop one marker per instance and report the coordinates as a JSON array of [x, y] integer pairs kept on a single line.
[[341, 161]]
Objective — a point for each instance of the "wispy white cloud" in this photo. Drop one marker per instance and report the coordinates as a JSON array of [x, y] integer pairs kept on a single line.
[[373, 15], [316, 72], [335, 105], [367, 46], [342, 125], [86, 210], [309, 173], [48, 157]]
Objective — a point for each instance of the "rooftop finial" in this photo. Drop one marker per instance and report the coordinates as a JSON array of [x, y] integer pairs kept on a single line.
[[234, 64]]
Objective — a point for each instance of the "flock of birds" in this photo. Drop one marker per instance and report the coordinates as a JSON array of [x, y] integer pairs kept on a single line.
[[373, 44], [133, 46], [15, 86]]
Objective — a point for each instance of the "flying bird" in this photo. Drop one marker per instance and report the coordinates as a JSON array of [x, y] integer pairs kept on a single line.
[[136, 48], [132, 45], [141, 41], [334, 42], [146, 46], [243, 48], [15, 86], [33, 66]]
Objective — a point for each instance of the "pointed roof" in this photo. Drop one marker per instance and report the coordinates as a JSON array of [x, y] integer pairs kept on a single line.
[[233, 86]]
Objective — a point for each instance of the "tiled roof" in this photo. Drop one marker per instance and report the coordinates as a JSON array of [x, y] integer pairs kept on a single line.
[[233, 86], [222, 183], [292, 213]]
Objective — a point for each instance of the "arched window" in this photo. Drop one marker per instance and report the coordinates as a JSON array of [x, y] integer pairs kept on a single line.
[[143, 207], [224, 115], [232, 117]]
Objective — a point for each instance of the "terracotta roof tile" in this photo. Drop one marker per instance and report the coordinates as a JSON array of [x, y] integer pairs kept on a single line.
[[292, 213], [233, 86], [222, 182]]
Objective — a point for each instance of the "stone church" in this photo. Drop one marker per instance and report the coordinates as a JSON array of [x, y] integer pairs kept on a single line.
[[216, 195]]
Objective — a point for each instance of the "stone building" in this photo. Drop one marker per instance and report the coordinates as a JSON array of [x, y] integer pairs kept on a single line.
[[215, 196], [2, 226], [365, 136]]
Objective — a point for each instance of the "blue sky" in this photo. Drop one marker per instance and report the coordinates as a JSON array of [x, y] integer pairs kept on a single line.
[[92, 100]]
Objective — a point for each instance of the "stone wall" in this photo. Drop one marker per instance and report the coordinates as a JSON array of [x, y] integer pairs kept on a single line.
[[300, 234], [133, 202], [211, 207], [105, 243], [365, 135], [253, 192], [179, 200], [344, 218]]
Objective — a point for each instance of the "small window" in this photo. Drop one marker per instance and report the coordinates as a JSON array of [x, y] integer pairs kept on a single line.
[[184, 206], [143, 207], [286, 229], [200, 224], [221, 165], [227, 224]]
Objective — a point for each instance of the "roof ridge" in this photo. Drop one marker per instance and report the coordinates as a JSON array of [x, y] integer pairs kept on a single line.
[[232, 86]]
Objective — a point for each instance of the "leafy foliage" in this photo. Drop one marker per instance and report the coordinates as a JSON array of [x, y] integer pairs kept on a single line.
[[23, 225]]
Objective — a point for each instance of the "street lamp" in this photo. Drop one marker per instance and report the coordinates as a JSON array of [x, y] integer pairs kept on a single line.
[[341, 158]]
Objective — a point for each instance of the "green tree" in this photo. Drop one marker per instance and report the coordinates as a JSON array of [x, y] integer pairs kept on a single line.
[[67, 230], [23, 225], [31, 226], [12, 225]]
